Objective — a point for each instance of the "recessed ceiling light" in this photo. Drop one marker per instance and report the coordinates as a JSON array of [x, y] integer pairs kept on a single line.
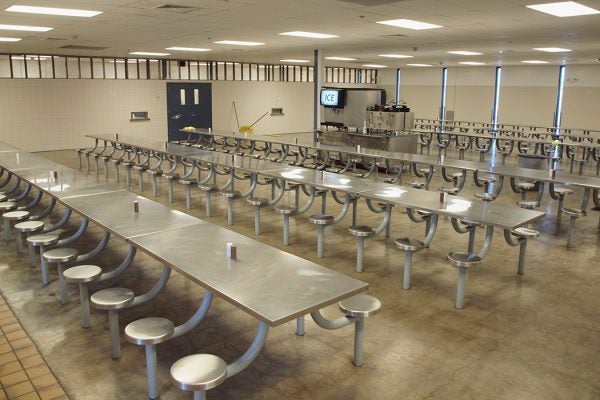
[[291, 60], [374, 66], [534, 62], [312, 35], [341, 58], [67, 12], [395, 56], [239, 43], [409, 24], [471, 63], [186, 49], [9, 39], [148, 53], [552, 49], [564, 9], [25, 28], [419, 65], [465, 53]]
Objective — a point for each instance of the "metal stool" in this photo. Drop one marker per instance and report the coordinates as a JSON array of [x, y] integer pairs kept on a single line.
[[61, 256], [3, 197], [525, 187], [321, 221], [409, 246], [116, 162], [113, 299], [486, 196], [230, 195], [199, 372], [286, 211], [359, 307], [361, 232], [208, 189], [170, 178], [128, 165], [140, 169], [105, 159], [187, 184], [258, 203], [523, 234], [416, 185], [573, 213], [42, 241], [83, 275], [12, 217], [149, 332], [561, 192], [462, 261], [154, 174], [26, 228]]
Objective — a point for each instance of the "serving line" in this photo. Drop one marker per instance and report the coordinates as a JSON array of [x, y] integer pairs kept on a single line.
[[269, 284]]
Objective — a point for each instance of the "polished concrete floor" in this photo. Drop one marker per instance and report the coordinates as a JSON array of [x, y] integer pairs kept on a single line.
[[532, 336]]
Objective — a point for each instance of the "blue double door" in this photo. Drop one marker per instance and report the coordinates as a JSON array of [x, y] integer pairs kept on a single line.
[[188, 104]]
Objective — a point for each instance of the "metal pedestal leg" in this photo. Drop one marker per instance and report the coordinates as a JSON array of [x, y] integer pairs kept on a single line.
[[460, 287], [407, 268], [115, 339], [84, 299], [359, 333], [320, 234], [360, 254], [300, 326], [286, 230]]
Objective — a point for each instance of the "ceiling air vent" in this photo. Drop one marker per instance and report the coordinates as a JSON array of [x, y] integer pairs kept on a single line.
[[80, 47], [177, 8], [372, 3]]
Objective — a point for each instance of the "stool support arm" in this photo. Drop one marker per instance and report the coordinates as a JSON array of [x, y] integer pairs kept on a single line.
[[36, 200], [432, 228], [461, 229], [47, 211], [6, 179], [246, 359], [386, 219], [329, 323], [344, 211], [309, 202], [196, 318], [122, 267], [413, 217], [14, 186], [156, 289], [101, 246], [76, 235], [252, 187], [62, 222], [278, 197], [373, 208], [510, 239], [489, 233], [24, 193]]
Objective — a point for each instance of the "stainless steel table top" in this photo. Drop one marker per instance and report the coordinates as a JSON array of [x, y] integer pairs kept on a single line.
[[323, 179], [114, 211], [18, 160], [270, 284]]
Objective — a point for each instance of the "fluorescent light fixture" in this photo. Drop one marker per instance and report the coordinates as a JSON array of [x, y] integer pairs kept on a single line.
[[67, 12], [25, 28], [239, 43], [395, 56], [9, 39], [186, 49], [552, 49], [341, 58], [465, 53], [30, 58], [419, 65], [148, 53], [471, 63], [534, 62], [374, 66], [564, 9], [291, 60], [409, 24], [312, 35]]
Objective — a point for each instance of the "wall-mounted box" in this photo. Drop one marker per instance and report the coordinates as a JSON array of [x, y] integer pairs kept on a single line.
[[139, 116]]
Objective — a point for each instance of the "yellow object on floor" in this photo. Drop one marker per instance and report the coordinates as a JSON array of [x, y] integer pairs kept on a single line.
[[246, 129]]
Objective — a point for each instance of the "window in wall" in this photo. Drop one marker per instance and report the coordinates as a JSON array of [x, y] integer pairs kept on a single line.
[[182, 97], [196, 97]]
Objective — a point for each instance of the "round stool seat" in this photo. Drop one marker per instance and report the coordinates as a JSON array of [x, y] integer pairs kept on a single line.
[[321, 219], [209, 187], [486, 196], [151, 330], [82, 273], [466, 260], [417, 185], [451, 190], [115, 160], [360, 306], [140, 167], [104, 157], [574, 212], [3, 197], [293, 186], [425, 170], [16, 215], [285, 209], [525, 232], [30, 226], [525, 185], [127, 163], [487, 179], [530, 205], [63, 254], [456, 174], [357, 174], [112, 298], [188, 181], [321, 192], [424, 214], [255, 156], [389, 180], [8, 206], [44, 239], [199, 372], [171, 176], [409, 244], [361, 230], [333, 170], [231, 194], [156, 172], [257, 201], [562, 191]]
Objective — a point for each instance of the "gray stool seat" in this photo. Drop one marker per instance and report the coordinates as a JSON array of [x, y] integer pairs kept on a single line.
[[409, 244], [530, 205], [321, 219], [525, 185], [82, 273], [171, 176], [487, 179], [151, 330], [156, 172], [525, 232], [451, 190], [286, 209], [16, 216], [231, 194], [424, 213], [563, 191], [456, 174], [361, 230], [360, 306], [257, 201], [199, 372], [425, 170], [3, 197], [574, 212], [140, 167], [210, 187], [43, 239], [116, 160], [8, 206], [333, 170], [188, 181], [63, 254], [29, 226], [486, 196], [462, 261], [112, 298], [417, 185]]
